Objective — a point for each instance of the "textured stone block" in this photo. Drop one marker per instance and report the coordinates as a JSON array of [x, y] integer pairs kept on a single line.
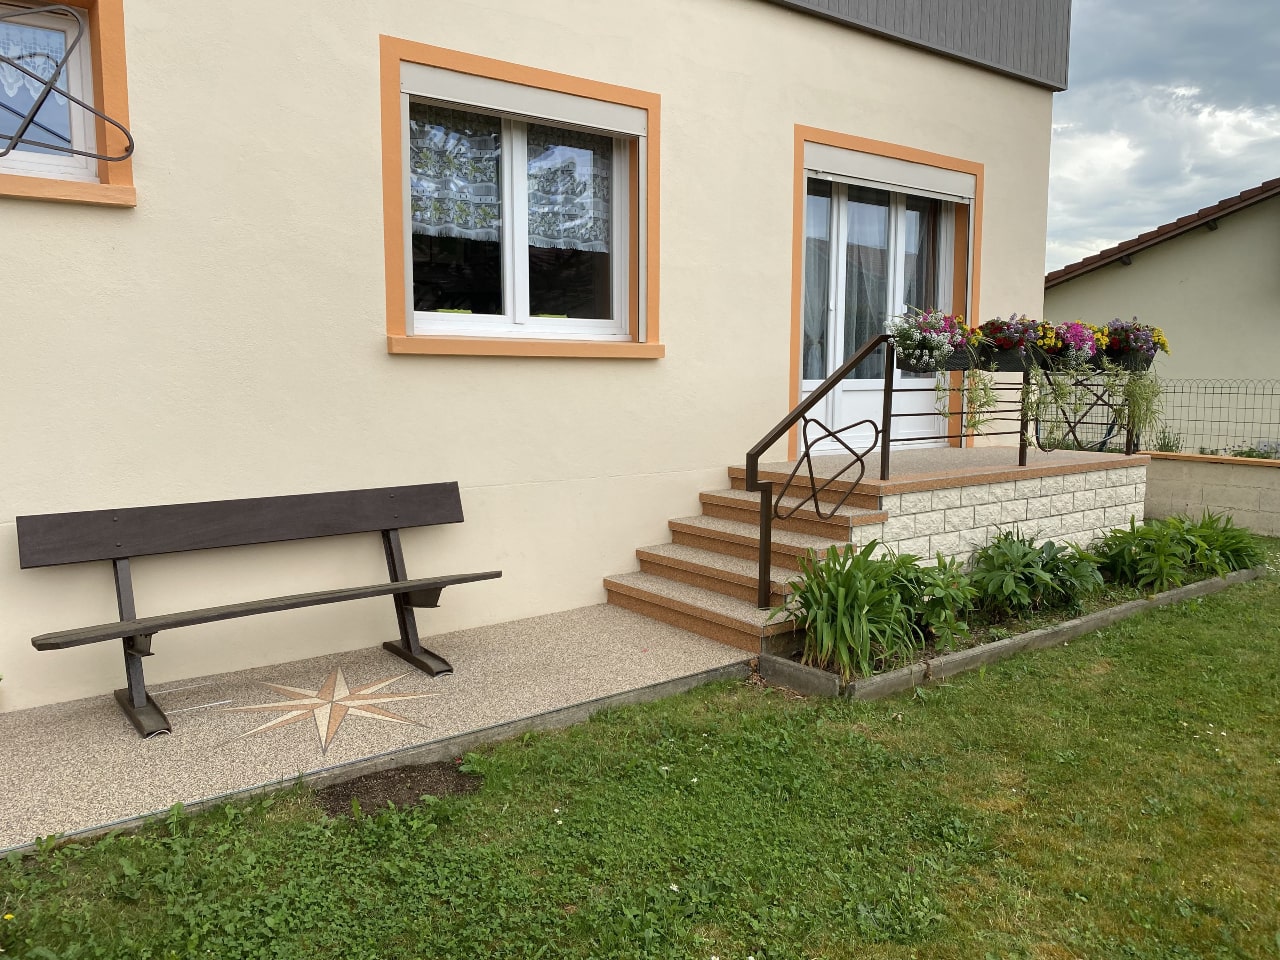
[[986, 514], [976, 495], [1118, 516], [917, 545], [946, 499], [897, 527], [948, 544], [1118, 478], [1027, 488], [1013, 511], [1051, 485], [891, 502], [1094, 519], [1001, 491], [1038, 507], [920, 502], [959, 518], [935, 521], [1095, 478], [1072, 482]]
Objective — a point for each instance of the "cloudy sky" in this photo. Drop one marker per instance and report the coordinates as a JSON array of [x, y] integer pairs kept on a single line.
[[1172, 106]]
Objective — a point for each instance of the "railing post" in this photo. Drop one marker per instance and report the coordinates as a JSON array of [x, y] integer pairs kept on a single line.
[[886, 418], [1024, 419], [764, 582]]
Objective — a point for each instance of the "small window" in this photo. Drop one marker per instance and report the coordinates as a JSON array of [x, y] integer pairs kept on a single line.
[[517, 228], [38, 42]]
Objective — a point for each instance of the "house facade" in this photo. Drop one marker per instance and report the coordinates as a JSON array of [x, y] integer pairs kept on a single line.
[[1208, 279], [576, 256]]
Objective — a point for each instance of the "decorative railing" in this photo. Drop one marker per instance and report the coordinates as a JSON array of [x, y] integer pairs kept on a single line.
[[813, 431]]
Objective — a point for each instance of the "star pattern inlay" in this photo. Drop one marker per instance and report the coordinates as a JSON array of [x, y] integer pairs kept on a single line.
[[329, 706]]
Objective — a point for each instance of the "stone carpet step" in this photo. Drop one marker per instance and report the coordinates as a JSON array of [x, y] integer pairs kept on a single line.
[[732, 576], [743, 539], [744, 506], [704, 612]]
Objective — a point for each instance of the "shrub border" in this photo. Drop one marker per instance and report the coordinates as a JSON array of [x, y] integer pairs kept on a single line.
[[815, 682]]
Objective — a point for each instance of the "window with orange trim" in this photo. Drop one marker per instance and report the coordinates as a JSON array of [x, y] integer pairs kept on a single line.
[[55, 155], [522, 209]]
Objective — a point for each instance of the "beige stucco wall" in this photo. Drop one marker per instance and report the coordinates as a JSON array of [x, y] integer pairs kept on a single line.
[[1248, 492], [1216, 293], [226, 337]]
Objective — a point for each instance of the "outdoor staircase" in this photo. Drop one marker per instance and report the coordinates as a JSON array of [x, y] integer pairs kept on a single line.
[[704, 580]]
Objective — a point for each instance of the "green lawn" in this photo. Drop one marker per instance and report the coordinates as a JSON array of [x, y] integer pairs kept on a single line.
[[1116, 798]]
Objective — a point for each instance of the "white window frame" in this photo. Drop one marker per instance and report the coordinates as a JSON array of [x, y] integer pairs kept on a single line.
[[517, 106], [79, 82]]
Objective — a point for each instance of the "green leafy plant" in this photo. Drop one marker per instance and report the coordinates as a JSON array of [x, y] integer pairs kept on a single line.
[[851, 611], [1168, 441], [980, 399], [1162, 554], [1014, 575], [938, 597]]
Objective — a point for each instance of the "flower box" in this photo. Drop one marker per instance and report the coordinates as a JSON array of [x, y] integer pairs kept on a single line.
[[1133, 360], [923, 362], [1005, 361]]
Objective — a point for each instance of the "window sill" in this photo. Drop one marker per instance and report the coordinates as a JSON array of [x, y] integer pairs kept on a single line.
[[67, 191], [503, 347]]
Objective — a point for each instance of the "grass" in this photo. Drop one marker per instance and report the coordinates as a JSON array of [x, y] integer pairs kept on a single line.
[[1118, 797]]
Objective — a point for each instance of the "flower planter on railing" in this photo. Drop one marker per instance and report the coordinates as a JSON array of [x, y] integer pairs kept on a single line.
[[1133, 360], [924, 362]]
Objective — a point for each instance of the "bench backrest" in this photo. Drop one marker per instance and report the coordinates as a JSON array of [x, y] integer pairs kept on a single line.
[[49, 539]]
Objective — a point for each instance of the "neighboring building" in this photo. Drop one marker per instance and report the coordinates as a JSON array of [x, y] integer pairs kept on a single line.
[[1209, 279], [577, 256]]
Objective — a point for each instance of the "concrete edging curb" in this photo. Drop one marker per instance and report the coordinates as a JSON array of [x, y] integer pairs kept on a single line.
[[814, 682], [434, 751]]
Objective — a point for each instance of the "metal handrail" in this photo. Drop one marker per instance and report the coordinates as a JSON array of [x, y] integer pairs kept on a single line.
[[753, 482]]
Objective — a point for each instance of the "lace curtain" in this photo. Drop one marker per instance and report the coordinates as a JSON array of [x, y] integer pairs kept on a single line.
[[454, 170], [569, 189], [37, 49], [455, 180]]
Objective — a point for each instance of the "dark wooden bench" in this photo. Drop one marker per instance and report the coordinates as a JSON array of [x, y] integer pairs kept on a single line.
[[118, 535]]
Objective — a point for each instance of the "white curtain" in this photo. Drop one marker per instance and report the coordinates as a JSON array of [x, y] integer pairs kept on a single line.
[[569, 189], [454, 173], [866, 277], [35, 48]]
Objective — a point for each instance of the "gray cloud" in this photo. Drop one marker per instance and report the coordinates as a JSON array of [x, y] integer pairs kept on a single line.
[[1172, 107]]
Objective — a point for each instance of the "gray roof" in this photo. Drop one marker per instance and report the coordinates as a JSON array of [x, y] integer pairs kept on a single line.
[[1027, 39]]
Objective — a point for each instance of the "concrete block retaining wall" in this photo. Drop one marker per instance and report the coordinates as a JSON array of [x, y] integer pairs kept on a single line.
[[1074, 507], [1249, 491]]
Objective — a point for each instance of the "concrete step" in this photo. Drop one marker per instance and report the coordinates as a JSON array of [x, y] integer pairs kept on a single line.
[[742, 539], [866, 497], [709, 614], [836, 522], [729, 575]]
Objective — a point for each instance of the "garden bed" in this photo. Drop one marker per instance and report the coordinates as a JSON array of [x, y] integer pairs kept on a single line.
[[991, 647]]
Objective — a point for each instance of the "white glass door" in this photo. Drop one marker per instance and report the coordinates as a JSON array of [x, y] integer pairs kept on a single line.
[[869, 254]]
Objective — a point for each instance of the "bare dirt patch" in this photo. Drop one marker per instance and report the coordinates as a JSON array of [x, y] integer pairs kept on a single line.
[[402, 786]]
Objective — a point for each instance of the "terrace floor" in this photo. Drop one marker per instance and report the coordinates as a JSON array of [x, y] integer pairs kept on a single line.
[[80, 766]]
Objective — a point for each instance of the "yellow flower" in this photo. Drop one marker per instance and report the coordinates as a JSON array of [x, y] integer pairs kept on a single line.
[[8, 916]]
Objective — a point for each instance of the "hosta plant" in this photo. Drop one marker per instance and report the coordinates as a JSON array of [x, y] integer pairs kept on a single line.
[[1014, 575]]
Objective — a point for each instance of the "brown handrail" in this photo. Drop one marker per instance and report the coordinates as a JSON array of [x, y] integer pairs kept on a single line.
[[765, 488]]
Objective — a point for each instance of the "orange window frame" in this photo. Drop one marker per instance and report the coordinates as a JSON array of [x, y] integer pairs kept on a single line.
[[965, 285], [393, 52], [111, 96]]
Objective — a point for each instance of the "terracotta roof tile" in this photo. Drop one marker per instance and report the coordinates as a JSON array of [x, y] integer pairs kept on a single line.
[[1167, 231]]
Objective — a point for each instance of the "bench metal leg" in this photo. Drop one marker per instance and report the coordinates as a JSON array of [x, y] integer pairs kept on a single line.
[[410, 649], [143, 712], [147, 718]]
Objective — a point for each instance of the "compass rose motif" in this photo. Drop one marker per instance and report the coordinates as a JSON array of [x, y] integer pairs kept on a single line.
[[329, 706]]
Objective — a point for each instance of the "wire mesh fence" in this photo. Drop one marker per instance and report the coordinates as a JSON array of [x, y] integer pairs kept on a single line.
[[1239, 418]]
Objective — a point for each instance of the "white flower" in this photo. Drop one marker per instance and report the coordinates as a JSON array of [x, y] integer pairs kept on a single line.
[[694, 780], [674, 888], [559, 822]]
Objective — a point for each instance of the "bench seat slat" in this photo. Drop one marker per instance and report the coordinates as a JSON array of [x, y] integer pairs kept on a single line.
[[150, 625]]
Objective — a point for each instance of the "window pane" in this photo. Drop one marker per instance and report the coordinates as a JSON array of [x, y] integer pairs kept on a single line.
[[921, 288], [39, 50], [455, 170], [866, 301], [570, 223], [817, 279]]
